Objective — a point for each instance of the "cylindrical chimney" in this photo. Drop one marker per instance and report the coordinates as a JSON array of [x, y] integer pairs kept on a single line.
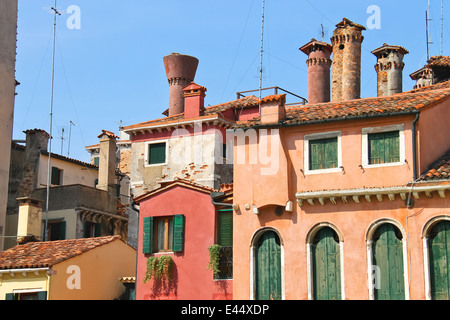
[[346, 41], [319, 64], [180, 71], [389, 68]]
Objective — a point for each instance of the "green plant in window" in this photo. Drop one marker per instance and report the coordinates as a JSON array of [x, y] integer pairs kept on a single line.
[[214, 257], [161, 268]]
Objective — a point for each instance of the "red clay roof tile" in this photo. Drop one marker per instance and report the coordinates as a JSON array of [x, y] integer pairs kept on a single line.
[[49, 253]]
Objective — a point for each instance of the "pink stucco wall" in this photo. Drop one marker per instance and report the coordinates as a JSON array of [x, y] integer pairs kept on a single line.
[[192, 280]]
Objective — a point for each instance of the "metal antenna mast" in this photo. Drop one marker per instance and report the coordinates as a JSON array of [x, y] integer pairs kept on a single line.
[[56, 13], [442, 27], [427, 20], [70, 131], [261, 55]]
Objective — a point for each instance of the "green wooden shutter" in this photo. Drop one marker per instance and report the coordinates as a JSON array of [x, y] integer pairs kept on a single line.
[[55, 176], [178, 233], [440, 261], [157, 153], [268, 267], [225, 227], [11, 296], [42, 295], [326, 266], [147, 242], [388, 256], [96, 161], [384, 147], [98, 230], [323, 153], [62, 230]]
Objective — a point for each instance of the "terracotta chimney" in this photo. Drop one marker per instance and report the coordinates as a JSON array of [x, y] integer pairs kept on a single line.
[[107, 162], [346, 73], [319, 64], [273, 108], [180, 71], [389, 68], [194, 100]]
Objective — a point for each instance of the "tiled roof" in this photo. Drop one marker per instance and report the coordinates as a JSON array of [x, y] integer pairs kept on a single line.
[[49, 253], [439, 61], [403, 102], [209, 111], [438, 170]]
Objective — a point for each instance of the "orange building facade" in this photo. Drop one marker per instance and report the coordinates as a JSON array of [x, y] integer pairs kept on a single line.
[[343, 200]]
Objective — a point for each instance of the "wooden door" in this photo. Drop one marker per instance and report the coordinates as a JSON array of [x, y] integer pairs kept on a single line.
[[268, 267], [388, 257], [439, 261], [326, 265]]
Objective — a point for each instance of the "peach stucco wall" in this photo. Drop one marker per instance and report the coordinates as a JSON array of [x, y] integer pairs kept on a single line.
[[100, 270], [351, 220], [192, 280]]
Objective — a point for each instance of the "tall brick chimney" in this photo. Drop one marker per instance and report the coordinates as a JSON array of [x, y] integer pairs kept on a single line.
[[194, 100], [319, 64], [107, 162], [389, 68], [346, 73], [180, 71]]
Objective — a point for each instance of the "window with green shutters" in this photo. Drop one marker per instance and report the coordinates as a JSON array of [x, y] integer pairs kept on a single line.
[[163, 234], [225, 240], [323, 153], [56, 176], [157, 153], [383, 147]]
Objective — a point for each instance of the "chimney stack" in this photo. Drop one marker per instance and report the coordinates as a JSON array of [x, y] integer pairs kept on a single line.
[[194, 100], [107, 162], [180, 71], [319, 64], [346, 73], [273, 109], [389, 68]]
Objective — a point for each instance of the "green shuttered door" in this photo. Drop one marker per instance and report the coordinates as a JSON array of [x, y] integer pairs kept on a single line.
[[326, 266], [440, 261], [388, 257], [268, 267]]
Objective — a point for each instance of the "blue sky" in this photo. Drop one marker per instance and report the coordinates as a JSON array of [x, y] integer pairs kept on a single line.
[[110, 70]]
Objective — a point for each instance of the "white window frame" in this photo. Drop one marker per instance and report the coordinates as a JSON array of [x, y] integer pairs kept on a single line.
[[146, 152], [365, 144], [317, 136]]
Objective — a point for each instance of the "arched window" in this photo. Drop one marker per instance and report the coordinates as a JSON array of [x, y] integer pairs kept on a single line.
[[326, 265], [439, 260], [387, 262]]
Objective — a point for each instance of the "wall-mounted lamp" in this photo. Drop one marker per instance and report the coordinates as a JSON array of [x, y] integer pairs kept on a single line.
[[289, 206], [255, 209]]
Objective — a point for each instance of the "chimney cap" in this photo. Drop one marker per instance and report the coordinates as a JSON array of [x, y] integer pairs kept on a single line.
[[314, 42], [193, 87], [348, 23], [36, 130], [109, 134], [386, 47]]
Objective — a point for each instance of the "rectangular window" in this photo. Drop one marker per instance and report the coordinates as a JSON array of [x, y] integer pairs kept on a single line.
[[383, 147], [96, 161], [157, 153], [92, 229], [323, 153], [56, 176], [163, 234], [56, 230], [225, 239]]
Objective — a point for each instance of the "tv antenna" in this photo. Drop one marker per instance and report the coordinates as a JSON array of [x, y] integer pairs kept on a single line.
[[261, 55], [428, 29], [56, 13], [70, 131]]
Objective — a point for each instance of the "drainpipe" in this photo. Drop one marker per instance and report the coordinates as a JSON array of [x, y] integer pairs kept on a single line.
[[216, 194], [414, 148], [137, 210]]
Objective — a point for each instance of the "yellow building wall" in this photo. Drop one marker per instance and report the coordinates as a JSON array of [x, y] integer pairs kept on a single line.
[[95, 274], [30, 281]]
